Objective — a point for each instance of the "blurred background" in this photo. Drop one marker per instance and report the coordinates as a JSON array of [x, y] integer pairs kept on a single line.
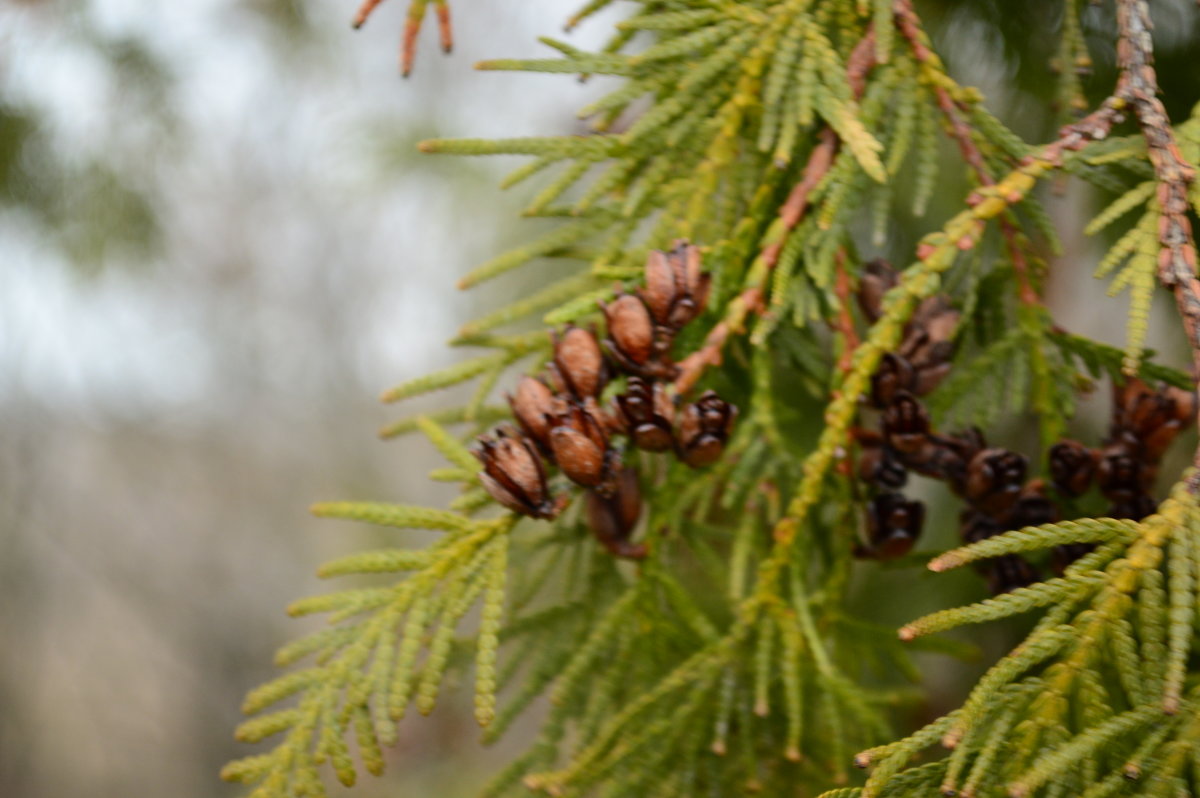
[[217, 246]]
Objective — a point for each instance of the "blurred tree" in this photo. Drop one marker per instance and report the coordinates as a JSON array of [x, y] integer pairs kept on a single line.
[[95, 211], [174, 392]]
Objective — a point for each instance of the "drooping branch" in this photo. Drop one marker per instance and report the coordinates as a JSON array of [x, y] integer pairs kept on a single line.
[[820, 160], [935, 254], [751, 299], [910, 28]]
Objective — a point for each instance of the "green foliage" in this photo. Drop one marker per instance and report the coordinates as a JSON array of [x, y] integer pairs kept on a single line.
[[1072, 704], [729, 659]]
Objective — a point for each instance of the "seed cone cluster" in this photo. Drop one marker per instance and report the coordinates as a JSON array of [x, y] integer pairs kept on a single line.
[[563, 422], [904, 441], [1144, 423], [993, 482]]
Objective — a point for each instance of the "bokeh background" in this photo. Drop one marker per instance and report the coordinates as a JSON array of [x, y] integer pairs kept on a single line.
[[217, 246]]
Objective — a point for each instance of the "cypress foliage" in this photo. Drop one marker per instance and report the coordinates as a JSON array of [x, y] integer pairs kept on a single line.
[[719, 654]]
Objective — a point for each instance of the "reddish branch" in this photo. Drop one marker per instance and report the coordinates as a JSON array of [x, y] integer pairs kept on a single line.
[[910, 28], [1138, 87], [692, 367], [751, 300], [1136, 90], [445, 31], [364, 11], [860, 63], [412, 26], [793, 210], [843, 288]]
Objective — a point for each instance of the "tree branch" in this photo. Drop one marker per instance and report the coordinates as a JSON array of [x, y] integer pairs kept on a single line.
[[1138, 88], [858, 65], [910, 28]]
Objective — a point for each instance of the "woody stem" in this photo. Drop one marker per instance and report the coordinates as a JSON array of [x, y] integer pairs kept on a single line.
[[1138, 90], [909, 25]]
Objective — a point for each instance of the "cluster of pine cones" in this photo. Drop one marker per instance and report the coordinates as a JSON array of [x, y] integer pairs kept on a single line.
[[1144, 423], [992, 481], [562, 423]]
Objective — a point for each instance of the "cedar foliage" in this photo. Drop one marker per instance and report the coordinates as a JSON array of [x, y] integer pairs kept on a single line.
[[782, 136]]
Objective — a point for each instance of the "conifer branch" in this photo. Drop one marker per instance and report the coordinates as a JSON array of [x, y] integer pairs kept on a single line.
[[820, 160], [760, 130], [936, 252], [910, 27], [1138, 87]]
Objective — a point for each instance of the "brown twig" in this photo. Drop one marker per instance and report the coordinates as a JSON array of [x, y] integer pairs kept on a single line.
[[408, 44], [1138, 87], [412, 27], [692, 367], [860, 63], [445, 30], [843, 289], [910, 28], [364, 11], [751, 300], [819, 162]]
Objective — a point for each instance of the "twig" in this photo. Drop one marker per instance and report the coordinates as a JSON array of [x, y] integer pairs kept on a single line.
[[691, 368], [843, 288], [1138, 87], [819, 162], [751, 300], [412, 26], [910, 27], [364, 11], [935, 254], [445, 29]]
